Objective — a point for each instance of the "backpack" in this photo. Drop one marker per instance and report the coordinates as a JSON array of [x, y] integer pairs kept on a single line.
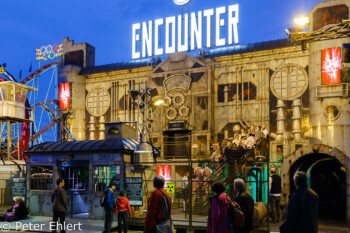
[[165, 203], [102, 200], [235, 216]]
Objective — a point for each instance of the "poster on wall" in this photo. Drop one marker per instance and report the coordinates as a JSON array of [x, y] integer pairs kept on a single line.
[[331, 66], [64, 95], [134, 192], [165, 171]]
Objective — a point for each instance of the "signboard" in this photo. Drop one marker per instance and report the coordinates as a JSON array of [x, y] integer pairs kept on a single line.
[[331, 66], [170, 188], [165, 171], [193, 31], [134, 192], [64, 96], [107, 157], [19, 188], [176, 125]]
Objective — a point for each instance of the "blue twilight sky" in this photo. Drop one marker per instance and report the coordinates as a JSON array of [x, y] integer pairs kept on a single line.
[[106, 24]]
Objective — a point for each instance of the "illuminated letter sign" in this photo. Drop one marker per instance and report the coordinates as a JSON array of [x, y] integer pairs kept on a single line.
[[331, 65], [49, 52], [181, 2], [64, 96], [159, 36]]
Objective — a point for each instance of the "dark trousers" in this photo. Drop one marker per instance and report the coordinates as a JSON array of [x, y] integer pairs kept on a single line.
[[122, 221], [275, 208], [62, 216], [109, 217]]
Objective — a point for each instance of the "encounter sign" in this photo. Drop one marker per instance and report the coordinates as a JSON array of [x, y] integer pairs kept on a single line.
[[184, 32], [170, 188], [133, 188]]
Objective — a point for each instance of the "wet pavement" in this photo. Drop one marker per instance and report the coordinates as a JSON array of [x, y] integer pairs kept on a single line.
[[89, 226]]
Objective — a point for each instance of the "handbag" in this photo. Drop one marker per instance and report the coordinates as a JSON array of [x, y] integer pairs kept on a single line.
[[166, 226]]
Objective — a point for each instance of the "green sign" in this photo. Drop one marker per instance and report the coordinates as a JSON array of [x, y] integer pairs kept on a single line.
[[170, 188]]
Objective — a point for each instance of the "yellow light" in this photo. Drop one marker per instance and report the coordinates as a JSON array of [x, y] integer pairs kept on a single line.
[[158, 102], [302, 21]]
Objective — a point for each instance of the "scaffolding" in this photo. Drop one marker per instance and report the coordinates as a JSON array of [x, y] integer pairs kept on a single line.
[[13, 113]]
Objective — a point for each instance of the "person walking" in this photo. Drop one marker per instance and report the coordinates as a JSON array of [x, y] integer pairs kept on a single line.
[[302, 209], [246, 202], [275, 189], [109, 206], [215, 158], [123, 210], [184, 187], [60, 201], [219, 206], [265, 131], [154, 210], [250, 141]]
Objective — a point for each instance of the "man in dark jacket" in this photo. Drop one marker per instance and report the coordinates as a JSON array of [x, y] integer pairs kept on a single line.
[[59, 200], [302, 210], [246, 202], [109, 206], [275, 190]]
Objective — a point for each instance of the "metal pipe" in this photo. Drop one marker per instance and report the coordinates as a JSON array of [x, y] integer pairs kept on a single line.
[[296, 119]]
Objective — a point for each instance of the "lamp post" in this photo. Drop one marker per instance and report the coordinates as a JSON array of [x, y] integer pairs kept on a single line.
[[143, 96]]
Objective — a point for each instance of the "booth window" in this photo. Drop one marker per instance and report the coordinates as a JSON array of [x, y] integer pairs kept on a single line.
[[75, 178], [41, 177], [103, 175]]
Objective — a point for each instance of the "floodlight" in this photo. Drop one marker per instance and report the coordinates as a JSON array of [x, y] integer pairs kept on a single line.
[[153, 91], [302, 21], [159, 102], [134, 93], [290, 31]]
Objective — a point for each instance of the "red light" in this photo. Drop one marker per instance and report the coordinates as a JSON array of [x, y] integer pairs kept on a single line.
[[331, 65], [165, 171], [64, 96]]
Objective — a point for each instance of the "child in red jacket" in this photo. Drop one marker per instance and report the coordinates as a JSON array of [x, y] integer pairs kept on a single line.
[[123, 208]]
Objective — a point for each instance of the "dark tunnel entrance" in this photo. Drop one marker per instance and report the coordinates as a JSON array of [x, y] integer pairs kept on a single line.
[[327, 177]]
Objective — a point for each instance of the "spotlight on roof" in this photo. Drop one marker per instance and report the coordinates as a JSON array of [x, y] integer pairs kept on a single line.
[[302, 21], [159, 102]]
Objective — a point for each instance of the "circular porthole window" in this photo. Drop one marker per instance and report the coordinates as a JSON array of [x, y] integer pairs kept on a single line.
[[331, 112]]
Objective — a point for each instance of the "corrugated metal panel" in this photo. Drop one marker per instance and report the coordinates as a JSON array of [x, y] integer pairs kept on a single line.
[[252, 47], [94, 146]]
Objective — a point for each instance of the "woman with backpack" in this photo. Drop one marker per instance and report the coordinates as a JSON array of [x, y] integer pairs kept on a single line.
[[219, 206]]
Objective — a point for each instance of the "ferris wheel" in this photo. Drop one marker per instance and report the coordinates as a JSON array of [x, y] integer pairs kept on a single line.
[[44, 128]]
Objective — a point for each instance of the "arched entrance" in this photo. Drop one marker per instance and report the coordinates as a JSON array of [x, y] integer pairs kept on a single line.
[[327, 177], [326, 168]]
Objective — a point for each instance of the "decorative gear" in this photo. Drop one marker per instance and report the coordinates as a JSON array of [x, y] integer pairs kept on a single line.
[[167, 101], [184, 111], [179, 100], [171, 113]]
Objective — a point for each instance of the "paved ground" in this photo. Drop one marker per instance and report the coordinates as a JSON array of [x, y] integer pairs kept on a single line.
[[94, 226]]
